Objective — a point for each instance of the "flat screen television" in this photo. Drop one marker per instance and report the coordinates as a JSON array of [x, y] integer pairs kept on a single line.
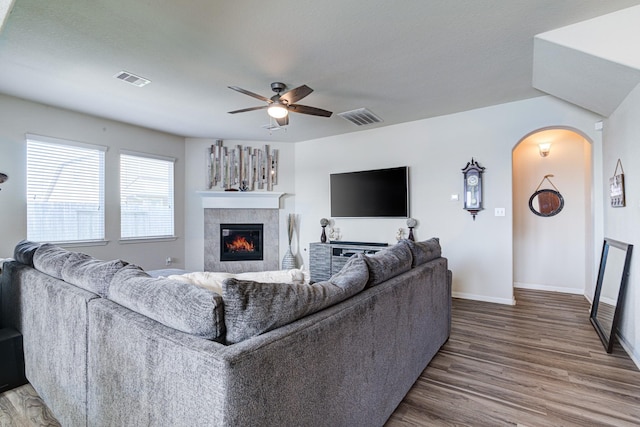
[[370, 194]]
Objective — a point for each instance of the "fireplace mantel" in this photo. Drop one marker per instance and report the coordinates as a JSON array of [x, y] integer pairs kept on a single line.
[[240, 199]]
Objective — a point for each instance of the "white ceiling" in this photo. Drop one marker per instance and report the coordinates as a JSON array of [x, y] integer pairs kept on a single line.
[[403, 60]]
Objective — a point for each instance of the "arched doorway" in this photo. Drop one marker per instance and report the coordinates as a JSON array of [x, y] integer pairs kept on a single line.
[[553, 253]]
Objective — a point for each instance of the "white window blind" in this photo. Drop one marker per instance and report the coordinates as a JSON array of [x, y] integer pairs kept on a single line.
[[65, 190], [146, 196]]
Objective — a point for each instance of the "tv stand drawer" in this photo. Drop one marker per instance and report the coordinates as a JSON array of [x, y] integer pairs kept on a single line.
[[326, 259]]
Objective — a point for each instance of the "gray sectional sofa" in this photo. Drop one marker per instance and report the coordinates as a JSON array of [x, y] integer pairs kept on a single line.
[[106, 344]]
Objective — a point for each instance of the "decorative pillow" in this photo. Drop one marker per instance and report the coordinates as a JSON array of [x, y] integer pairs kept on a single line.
[[23, 253], [388, 263], [89, 273], [252, 308], [205, 279], [50, 259], [424, 251], [213, 280], [179, 305], [282, 276]]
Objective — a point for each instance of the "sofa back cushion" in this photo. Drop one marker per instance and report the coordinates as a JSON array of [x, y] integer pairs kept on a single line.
[[50, 259], [179, 305], [388, 263], [252, 308], [24, 250], [89, 273], [424, 251]]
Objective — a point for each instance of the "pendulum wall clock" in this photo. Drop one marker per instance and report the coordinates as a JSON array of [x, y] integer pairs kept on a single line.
[[473, 187]]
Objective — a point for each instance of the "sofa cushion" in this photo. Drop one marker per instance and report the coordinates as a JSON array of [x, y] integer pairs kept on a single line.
[[252, 308], [23, 253], [424, 251], [388, 263], [179, 305], [89, 273], [50, 259]]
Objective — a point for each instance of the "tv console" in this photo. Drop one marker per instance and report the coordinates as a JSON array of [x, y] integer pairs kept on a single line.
[[340, 242], [326, 259]]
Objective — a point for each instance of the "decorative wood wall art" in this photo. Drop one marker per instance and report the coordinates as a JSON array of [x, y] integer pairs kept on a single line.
[[242, 168], [616, 187]]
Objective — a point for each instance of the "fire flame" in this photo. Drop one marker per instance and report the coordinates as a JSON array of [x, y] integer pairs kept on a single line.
[[240, 244]]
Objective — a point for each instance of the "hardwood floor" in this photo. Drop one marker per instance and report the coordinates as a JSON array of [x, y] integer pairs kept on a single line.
[[539, 363]]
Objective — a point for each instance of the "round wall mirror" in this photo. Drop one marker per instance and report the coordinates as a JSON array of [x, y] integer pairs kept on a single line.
[[546, 202]]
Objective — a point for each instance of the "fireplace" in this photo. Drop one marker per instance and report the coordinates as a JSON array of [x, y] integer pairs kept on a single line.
[[241, 242], [213, 241]]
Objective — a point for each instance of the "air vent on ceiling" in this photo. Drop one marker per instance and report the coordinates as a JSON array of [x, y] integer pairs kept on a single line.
[[360, 117], [132, 78]]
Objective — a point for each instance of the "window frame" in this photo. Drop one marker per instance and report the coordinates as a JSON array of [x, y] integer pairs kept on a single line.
[[147, 238], [101, 194]]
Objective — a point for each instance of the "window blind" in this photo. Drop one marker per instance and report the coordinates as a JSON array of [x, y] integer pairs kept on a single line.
[[146, 196], [65, 190]]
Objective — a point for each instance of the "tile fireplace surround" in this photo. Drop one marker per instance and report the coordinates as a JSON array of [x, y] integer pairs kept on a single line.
[[241, 208]]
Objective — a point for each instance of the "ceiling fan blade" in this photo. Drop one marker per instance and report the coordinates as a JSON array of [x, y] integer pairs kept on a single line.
[[246, 92], [284, 121], [295, 95], [304, 109], [244, 110]]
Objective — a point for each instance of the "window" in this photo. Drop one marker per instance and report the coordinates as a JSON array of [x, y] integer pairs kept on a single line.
[[146, 196], [65, 190]]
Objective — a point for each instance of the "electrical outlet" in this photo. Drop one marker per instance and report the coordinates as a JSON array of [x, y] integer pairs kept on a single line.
[[168, 261], [500, 212]]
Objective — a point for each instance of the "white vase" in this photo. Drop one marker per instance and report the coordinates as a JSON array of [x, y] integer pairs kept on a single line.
[[288, 261]]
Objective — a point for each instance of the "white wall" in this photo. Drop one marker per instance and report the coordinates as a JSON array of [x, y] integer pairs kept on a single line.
[[196, 152], [551, 253], [18, 117], [620, 141], [480, 251]]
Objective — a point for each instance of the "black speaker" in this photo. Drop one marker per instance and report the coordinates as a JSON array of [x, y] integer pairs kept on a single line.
[[11, 360]]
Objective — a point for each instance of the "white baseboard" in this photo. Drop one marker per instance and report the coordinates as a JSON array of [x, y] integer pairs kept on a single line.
[[483, 298], [536, 287]]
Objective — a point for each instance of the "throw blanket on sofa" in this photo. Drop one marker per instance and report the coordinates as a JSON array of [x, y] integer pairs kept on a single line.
[[213, 280]]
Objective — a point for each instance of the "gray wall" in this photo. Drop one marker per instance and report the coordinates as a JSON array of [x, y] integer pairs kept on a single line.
[[18, 117], [480, 252]]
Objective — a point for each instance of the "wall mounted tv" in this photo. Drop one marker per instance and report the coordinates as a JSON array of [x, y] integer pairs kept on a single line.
[[370, 194]]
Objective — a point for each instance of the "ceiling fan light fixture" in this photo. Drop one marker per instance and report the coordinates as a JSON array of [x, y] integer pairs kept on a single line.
[[277, 110]]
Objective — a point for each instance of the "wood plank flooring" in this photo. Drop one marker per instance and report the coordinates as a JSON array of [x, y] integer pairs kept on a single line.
[[539, 363]]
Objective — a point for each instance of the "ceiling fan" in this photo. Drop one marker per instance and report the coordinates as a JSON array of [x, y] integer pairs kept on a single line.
[[279, 105]]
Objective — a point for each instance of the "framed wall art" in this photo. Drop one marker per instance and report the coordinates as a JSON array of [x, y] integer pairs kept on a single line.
[[616, 187]]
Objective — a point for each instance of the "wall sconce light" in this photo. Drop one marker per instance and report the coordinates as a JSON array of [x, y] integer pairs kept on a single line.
[[544, 148]]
